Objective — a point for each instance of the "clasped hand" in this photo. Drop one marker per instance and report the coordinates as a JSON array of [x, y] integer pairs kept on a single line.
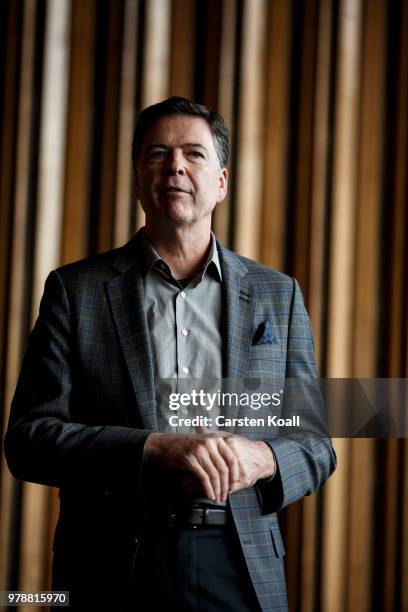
[[215, 464]]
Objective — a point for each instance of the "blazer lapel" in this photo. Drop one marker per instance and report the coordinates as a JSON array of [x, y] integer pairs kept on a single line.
[[240, 298], [126, 297]]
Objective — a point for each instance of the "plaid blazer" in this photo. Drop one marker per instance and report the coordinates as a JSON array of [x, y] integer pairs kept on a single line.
[[85, 403]]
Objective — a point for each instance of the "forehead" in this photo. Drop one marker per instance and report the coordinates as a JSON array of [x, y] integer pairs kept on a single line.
[[179, 130]]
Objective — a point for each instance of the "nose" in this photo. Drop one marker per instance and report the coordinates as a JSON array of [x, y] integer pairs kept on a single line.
[[175, 163]]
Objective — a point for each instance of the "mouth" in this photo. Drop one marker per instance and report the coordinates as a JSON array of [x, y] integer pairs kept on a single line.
[[173, 190]]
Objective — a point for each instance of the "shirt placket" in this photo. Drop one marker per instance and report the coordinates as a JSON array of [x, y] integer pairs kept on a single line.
[[183, 349]]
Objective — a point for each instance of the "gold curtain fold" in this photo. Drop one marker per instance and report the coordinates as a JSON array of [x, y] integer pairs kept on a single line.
[[315, 93]]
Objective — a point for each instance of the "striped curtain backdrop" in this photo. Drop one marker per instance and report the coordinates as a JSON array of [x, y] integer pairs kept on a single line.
[[316, 96]]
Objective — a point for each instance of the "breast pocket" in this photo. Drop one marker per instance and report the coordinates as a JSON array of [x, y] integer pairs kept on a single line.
[[267, 361]]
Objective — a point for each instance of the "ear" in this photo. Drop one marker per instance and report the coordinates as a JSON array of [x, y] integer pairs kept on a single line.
[[223, 185]]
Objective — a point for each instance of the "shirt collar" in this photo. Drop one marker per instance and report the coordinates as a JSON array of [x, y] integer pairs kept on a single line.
[[151, 259]]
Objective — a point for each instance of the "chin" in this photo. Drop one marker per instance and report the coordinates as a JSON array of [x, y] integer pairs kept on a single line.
[[178, 215], [179, 221]]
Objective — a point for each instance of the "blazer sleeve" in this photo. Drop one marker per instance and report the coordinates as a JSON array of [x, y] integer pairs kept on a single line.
[[304, 459], [42, 443]]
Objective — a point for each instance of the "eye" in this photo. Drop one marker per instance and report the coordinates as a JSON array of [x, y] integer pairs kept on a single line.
[[158, 154], [196, 153]]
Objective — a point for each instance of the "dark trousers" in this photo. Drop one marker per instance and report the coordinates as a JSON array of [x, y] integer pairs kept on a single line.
[[191, 570]]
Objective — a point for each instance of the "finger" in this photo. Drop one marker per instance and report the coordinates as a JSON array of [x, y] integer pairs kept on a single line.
[[215, 468], [202, 478], [200, 455], [232, 462], [222, 468], [225, 463], [208, 459]]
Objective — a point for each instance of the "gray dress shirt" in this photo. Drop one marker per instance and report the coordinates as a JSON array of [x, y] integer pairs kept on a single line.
[[184, 320]]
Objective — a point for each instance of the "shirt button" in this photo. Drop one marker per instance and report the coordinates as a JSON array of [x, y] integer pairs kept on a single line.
[[184, 332], [182, 293], [185, 370], [184, 411]]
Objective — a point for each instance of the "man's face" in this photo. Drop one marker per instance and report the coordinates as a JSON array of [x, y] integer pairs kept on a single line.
[[178, 175]]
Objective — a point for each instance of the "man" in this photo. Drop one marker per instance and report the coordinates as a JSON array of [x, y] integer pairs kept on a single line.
[[154, 518]]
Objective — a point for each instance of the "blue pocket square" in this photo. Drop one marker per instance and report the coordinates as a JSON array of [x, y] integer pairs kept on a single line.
[[264, 334]]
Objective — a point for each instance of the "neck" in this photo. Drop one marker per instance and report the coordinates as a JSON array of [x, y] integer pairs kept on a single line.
[[185, 249]]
